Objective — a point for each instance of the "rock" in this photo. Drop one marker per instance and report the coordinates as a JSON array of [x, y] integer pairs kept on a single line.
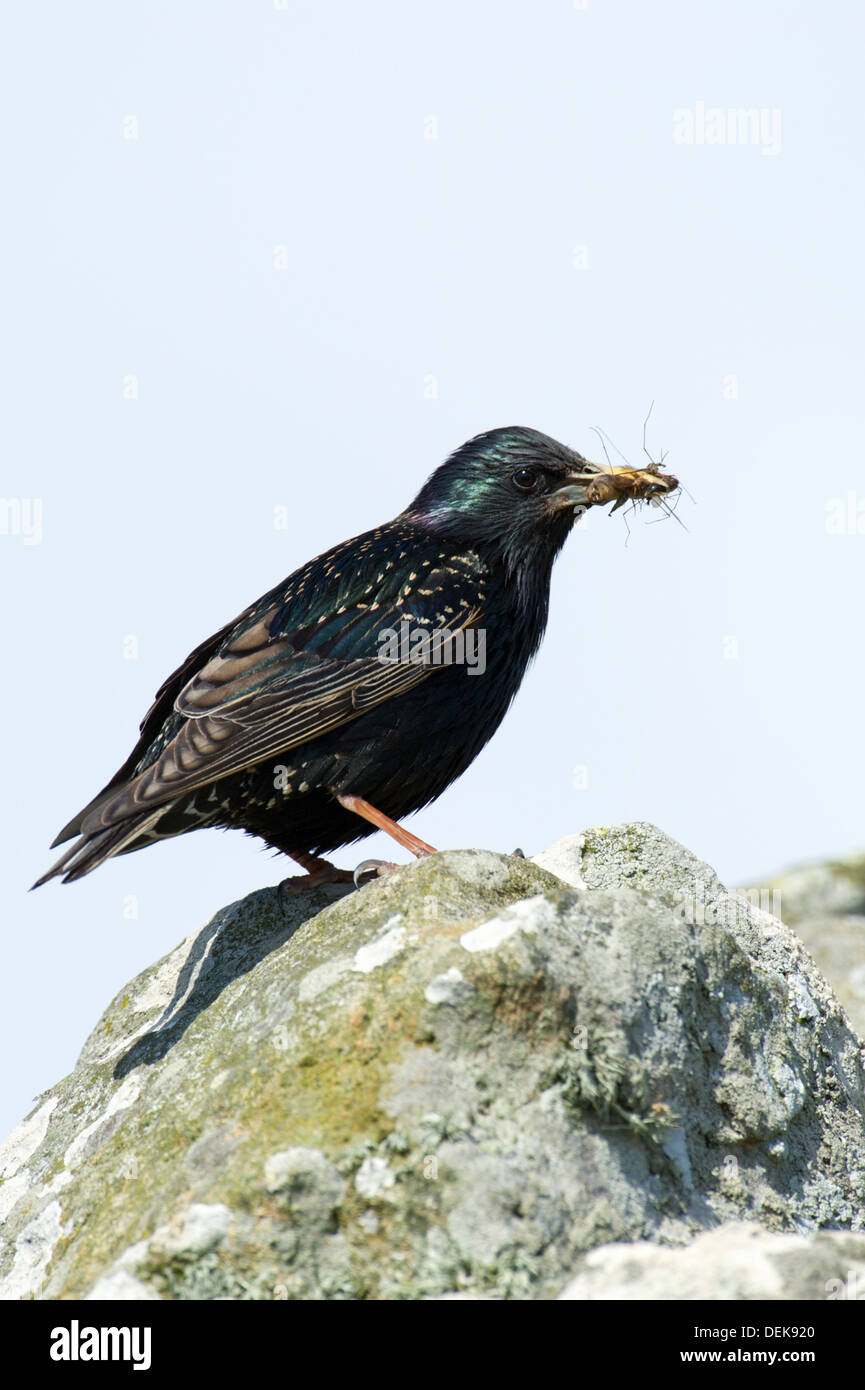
[[825, 904], [739, 1260], [456, 1082]]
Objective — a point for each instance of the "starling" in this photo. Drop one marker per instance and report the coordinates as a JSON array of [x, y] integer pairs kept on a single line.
[[359, 688]]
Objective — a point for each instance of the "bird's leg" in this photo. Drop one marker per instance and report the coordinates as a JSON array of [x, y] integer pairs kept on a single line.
[[320, 869], [419, 848], [379, 868], [318, 873]]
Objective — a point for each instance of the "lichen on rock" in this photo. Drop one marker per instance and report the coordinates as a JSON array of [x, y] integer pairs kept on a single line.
[[459, 1079]]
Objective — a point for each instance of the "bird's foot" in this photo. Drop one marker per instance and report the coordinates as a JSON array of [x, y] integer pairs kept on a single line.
[[320, 873], [373, 868]]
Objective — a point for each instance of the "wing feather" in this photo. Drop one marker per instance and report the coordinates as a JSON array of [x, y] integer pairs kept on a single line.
[[256, 696]]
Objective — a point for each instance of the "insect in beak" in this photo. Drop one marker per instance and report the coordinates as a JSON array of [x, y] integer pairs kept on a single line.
[[606, 483], [630, 484]]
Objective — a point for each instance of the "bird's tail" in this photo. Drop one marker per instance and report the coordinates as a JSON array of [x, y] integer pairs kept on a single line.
[[93, 849]]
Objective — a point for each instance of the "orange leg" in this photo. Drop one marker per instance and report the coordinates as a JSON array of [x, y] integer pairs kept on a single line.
[[321, 869], [419, 848]]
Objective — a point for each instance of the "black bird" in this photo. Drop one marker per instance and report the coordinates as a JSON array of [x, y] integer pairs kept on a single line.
[[338, 703]]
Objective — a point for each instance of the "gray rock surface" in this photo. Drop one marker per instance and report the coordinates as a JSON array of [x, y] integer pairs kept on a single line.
[[825, 905], [457, 1081], [738, 1260]]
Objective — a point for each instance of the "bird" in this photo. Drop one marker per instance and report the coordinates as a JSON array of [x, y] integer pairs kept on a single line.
[[359, 688]]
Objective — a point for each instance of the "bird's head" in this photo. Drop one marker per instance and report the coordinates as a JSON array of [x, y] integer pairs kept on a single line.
[[521, 491]]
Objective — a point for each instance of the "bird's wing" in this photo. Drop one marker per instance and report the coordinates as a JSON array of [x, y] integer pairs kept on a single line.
[[274, 683]]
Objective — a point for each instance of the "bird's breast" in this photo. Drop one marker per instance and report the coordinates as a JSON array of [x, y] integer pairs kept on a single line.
[[405, 752]]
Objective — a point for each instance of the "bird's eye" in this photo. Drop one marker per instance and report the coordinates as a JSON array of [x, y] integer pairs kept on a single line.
[[525, 479]]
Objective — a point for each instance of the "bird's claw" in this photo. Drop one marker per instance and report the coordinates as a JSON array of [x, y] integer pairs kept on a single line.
[[370, 869]]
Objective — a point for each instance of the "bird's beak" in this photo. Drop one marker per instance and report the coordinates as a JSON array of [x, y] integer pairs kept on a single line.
[[574, 492]]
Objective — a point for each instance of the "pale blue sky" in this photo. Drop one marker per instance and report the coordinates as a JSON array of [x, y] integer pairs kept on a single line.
[[283, 260]]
